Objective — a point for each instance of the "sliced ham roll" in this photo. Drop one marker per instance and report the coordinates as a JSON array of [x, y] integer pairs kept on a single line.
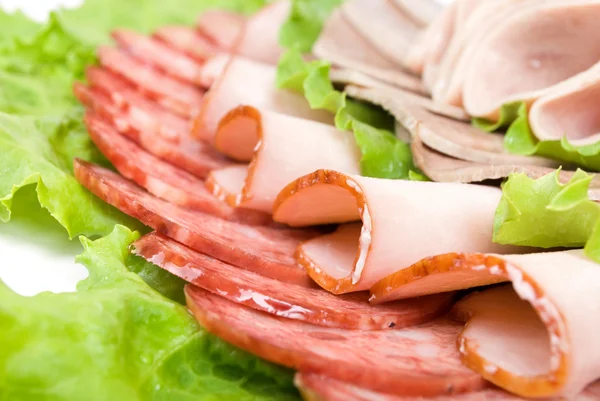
[[416, 361], [569, 110], [402, 222], [536, 339], [422, 12], [343, 46], [533, 49], [223, 28], [281, 149], [262, 293], [213, 68], [187, 40], [265, 250], [383, 26], [249, 82]]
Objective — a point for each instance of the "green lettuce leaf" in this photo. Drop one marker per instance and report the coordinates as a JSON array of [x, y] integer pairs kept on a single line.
[[15, 25], [303, 26], [383, 155], [116, 339], [508, 114], [544, 213]]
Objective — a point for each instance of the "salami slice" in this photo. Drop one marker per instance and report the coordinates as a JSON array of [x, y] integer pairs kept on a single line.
[[312, 305], [265, 250], [186, 40], [417, 361], [178, 97], [222, 27]]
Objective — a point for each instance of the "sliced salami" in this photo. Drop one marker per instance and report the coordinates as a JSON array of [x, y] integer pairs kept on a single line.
[[265, 250], [187, 40], [312, 305], [417, 361]]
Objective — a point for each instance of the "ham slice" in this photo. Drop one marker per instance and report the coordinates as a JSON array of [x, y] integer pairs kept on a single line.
[[282, 149], [422, 12], [536, 339], [154, 129], [186, 40], [174, 95], [249, 82], [402, 222], [343, 46], [418, 361], [453, 138], [265, 250], [554, 41], [222, 27], [312, 305], [383, 26], [569, 110], [213, 68]]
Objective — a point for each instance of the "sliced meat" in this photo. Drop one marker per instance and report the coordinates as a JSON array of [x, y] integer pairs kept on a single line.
[[402, 222], [420, 360], [536, 339], [312, 305], [282, 148], [265, 250], [383, 26], [180, 98], [569, 110], [422, 12], [154, 52], [187, 40], [213, 68], [159, 132], [222, 27], [453, 138], [160, 178], [343, 46], [251, 83]]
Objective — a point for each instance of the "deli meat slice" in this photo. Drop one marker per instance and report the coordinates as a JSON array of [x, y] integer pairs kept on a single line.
[[343, 46], [422, 12], [265, 250], [402, 222], [223, 28], [312, 305], [536, 339], [180, 98], [187, 40], [282, 148], [417, 361], [249, 82]]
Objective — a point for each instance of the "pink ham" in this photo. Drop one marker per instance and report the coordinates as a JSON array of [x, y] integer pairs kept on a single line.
[[417, 361], [282, 148], [249, 82], [312, 305], [175, 96], [402, 222], [569, 110], [213, 68], [222, 27], [186, 40], [536, 339], [265, 250], [555, 41], [422, 12], [159, 132], [343, 46]]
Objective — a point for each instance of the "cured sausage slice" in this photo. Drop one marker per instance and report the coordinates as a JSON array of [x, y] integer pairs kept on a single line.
[[416, 361], [312, 305], [222, 27], [187, 40], [265, 250]]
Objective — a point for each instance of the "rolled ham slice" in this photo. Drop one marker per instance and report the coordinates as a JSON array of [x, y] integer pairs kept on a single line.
[[549, 50], [186, 40], [265, 250], [417, 361], [402, 222], [422, 12], [281, 149], [262, 293], [536, 339], [249, 82], [223, 28], [569, 110], [343, 46]]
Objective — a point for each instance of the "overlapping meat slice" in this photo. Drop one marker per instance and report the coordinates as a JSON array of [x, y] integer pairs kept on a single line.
[[281, 148], [312, 305], [343, 46], [159, 132], [569, 110], [187, 40], [402, 222], [178, 97], [422, 12], [536, 339], [265, 250], [421, 360], [538, 46], [223, 28], [249, 82]]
